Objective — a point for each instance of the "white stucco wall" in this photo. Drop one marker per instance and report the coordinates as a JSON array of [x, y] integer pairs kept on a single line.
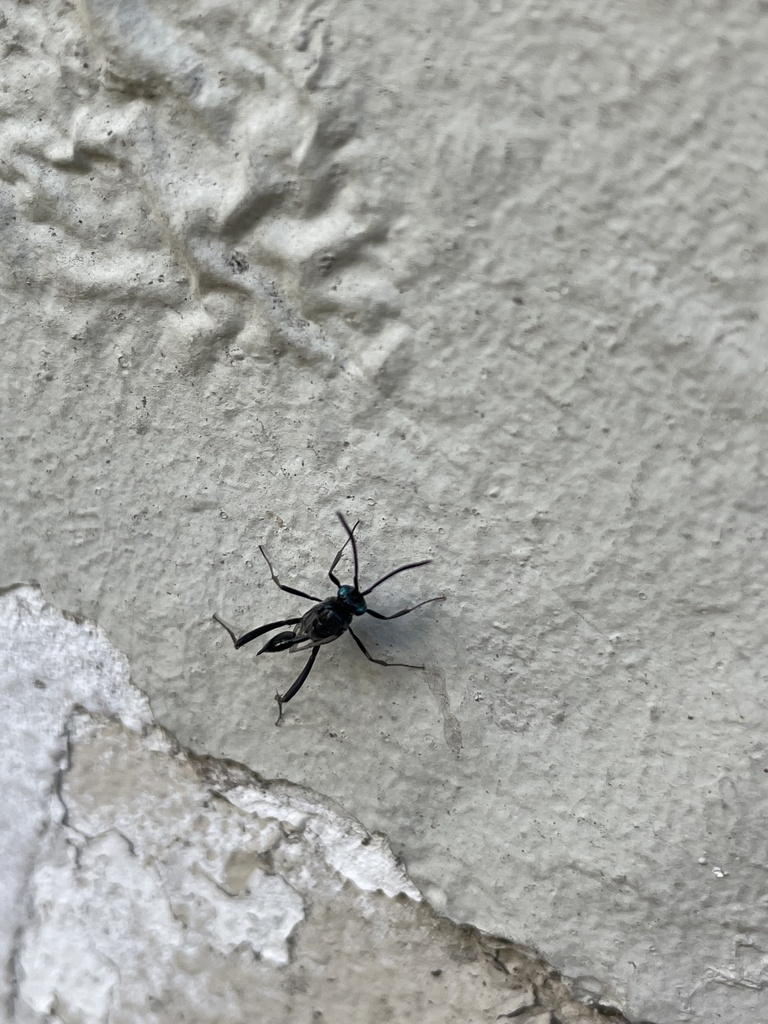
[[491, 278]]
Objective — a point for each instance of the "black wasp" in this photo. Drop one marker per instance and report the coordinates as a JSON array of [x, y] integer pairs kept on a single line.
[[326, 620]]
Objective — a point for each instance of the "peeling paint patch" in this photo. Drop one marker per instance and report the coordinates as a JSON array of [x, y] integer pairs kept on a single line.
[[49, 663]]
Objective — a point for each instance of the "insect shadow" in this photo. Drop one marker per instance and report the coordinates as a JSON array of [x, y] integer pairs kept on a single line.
[[327, 620]]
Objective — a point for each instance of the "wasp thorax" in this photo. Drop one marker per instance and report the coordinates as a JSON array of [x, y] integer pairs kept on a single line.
[[352, 599]]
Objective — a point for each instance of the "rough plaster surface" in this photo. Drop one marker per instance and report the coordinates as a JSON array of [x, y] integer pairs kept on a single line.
[[492, 278], [160, 886]]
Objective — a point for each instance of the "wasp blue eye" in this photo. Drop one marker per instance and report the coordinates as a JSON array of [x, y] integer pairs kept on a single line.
[[352, 598]]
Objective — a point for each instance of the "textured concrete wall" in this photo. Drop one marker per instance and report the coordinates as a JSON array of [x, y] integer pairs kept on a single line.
[[491, 278]]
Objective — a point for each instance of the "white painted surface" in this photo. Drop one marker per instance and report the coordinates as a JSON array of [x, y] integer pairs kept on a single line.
[[492, 278]]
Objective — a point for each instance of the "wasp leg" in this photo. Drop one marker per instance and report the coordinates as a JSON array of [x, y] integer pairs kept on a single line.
[[252, 634], [404, 611], [379, 661], [288, 590], [389, 575], [335, 562], [296, 686]]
